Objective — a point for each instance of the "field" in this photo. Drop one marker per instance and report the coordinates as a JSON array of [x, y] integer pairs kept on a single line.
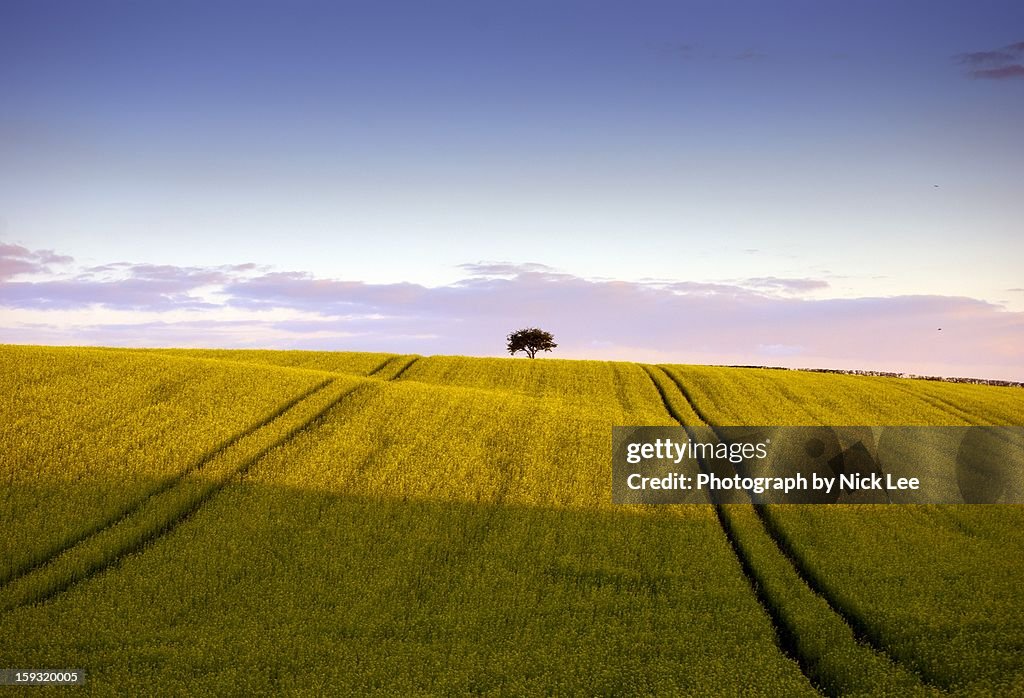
[[191, 522]]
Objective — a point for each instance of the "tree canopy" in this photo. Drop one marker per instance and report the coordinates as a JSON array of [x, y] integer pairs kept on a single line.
[[530, 340]]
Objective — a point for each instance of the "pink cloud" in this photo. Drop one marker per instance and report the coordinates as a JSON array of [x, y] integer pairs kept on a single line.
[[117, 285], [15, 260]]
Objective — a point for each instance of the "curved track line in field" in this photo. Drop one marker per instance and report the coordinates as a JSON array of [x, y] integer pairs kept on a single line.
[[172, 481], [392, 365], [862, 630], [943, 406], [159, 515], [405, 368], [672, 412], [784, 639], [380, 368], [789, 630]]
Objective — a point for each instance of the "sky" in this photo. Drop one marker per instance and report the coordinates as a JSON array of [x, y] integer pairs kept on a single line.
[[790, 183]]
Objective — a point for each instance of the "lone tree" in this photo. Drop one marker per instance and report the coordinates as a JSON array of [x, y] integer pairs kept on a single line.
[[530, 340]]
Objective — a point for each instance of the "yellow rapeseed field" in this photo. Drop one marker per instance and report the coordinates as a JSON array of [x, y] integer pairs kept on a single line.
[[216, 522], [86, 434]]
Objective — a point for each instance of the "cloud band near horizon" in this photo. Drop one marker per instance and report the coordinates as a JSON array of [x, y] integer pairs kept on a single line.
[[46, 299]]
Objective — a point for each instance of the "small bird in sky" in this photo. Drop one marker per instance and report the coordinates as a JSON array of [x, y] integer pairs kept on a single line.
[[940, 329], [936, 186]]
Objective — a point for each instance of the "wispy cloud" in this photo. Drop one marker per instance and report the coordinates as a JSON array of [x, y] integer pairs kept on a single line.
[[787, 285], [761, 320], [133, 294], [999, 64], [504, 268], [751, 55], [16, 260], [116, 285]]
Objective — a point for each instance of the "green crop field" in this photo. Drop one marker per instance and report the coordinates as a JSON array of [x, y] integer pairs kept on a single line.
[[194, 522]]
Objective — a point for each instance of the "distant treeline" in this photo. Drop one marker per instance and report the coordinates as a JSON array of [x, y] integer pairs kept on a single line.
[[890, 374]]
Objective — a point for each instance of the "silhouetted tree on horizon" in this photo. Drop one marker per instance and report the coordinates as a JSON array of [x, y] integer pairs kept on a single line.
[[530, 340]]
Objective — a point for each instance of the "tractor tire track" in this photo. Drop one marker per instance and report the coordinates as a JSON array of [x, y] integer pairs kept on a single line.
[[395, 365], [832, 650], [783, 635], [862, 630], [374, 372], [401, 371], [942, 405], [169, 483], [160, 515]]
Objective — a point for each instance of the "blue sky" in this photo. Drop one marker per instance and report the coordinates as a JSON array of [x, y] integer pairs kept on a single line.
[[871, 149]]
